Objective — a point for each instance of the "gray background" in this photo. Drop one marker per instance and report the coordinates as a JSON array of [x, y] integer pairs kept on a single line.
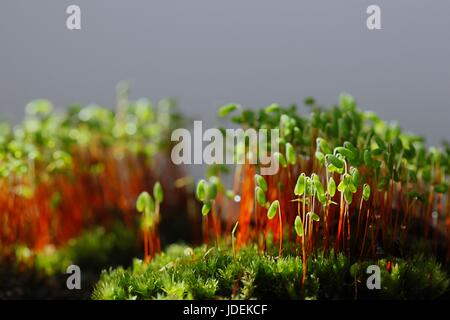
[[206, 53]]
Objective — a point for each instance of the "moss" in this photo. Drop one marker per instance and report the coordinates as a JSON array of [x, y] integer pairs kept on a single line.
[[184, 273], [31, 274], [92, 250], [417, 278], [333, 274]]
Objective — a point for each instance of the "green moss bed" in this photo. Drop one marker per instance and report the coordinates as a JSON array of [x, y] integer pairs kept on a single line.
[[212, 273], [29, 274]]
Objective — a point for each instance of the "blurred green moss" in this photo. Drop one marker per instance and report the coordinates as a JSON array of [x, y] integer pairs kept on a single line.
[[92, 250]]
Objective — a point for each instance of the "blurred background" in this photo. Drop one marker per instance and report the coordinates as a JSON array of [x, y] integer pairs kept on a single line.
[[207, 53]]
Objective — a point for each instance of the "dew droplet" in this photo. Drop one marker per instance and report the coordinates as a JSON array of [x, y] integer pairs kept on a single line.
[[434, 217], [237, 198]]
